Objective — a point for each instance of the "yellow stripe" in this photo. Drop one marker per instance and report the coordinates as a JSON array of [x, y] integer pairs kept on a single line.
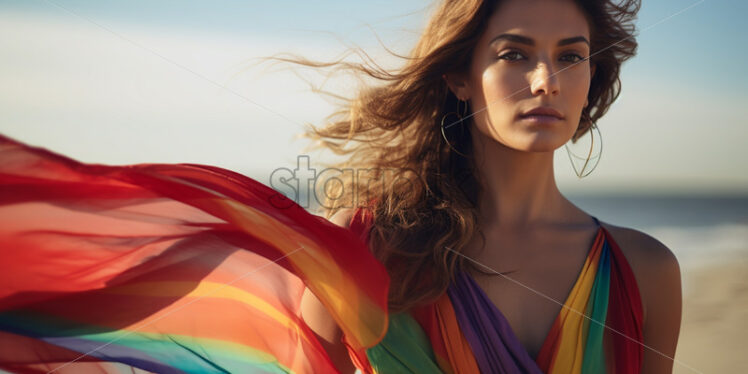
[[204, 289], [569, 355]]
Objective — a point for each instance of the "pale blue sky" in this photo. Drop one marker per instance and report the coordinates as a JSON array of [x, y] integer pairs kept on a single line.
[[138, 81]]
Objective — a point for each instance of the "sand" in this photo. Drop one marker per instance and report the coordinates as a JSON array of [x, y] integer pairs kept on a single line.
[[714, 326]]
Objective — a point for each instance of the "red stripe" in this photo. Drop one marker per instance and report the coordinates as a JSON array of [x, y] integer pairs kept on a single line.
[[625, 313]]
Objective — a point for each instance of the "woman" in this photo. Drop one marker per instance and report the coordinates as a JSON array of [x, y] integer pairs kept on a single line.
[[164, 267], [524, 77]]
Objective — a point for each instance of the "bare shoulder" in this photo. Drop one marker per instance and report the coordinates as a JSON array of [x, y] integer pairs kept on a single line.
[[642, 250], [651, 261], [342, 217], [658, 277]]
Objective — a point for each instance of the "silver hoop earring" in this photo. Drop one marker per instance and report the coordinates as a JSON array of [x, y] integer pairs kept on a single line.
[[460, 114], [590, 162]]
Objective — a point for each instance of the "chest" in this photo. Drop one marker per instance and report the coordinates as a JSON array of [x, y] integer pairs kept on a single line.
[[537, 276]]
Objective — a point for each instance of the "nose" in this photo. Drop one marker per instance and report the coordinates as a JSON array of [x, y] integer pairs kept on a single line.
[[544, 80]]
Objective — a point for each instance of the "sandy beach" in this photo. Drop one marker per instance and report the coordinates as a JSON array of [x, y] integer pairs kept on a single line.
[[715, 319]]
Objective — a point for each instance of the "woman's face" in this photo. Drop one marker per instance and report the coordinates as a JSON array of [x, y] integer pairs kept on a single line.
[[527, 58]]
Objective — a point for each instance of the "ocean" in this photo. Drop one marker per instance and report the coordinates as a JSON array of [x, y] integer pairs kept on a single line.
[[699, 230]]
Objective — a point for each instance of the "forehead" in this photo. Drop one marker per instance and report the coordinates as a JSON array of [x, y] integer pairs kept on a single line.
[[543, 20]]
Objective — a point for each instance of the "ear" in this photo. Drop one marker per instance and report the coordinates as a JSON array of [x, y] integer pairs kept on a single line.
[[458, 84]]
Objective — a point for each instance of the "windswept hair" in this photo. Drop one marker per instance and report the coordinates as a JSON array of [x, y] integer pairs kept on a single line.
[[422, 192]]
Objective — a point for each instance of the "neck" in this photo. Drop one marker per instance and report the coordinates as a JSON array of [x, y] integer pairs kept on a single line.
[[518, 188]]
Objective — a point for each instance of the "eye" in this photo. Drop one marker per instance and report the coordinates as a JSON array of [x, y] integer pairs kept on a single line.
[[511, 56], [572, 57]]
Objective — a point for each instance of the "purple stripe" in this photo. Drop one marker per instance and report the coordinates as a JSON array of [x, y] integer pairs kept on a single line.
[[496, 348]]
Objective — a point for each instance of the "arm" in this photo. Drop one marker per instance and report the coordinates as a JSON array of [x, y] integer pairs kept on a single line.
[[658, 276], [321, 322], [664, 307]]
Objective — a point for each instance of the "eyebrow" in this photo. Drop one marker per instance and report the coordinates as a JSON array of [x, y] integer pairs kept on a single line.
[[529, 41]]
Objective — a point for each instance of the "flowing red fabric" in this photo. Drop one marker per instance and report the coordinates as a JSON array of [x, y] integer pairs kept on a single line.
[[169, 268]]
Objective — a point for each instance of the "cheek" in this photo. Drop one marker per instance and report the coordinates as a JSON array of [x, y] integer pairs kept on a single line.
[[500, 90], [577, 83], [575, 87], [499, 85]]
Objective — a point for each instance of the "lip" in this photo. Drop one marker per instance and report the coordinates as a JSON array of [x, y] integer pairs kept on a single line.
[[540, 112]]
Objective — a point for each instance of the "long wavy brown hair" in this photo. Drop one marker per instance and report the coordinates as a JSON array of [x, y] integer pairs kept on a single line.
[[422, 191]]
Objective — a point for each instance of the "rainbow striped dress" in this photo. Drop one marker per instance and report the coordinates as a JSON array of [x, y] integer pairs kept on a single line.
[[598, 330], [185, 268]]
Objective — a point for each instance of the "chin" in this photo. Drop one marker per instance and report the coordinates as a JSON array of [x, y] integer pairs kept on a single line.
[[539, 142], [527, 139]]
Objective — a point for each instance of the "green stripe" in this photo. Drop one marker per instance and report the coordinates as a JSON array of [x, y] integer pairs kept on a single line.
[[183, 352], [404, 349], [594, 356]]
